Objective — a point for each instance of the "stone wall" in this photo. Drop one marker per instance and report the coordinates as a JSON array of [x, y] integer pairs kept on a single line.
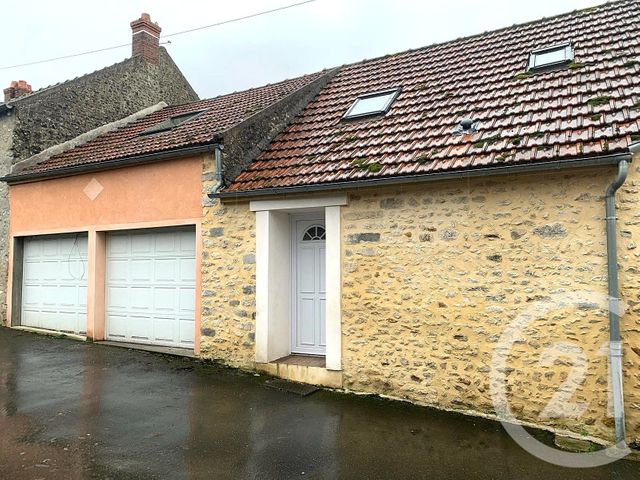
[[66, 110], [229, 278], [7, 125], [432, 275]]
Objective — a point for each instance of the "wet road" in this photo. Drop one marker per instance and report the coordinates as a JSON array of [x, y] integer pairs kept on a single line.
[[73, 410]]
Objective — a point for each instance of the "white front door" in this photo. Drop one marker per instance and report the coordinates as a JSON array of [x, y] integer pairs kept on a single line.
[[309, 286], [151, 287], [54, 289]]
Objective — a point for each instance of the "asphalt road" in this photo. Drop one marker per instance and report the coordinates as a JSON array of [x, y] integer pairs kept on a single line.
[[73, 410]]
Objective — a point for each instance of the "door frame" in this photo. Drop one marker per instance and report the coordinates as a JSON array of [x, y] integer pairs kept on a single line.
[[317, 216]]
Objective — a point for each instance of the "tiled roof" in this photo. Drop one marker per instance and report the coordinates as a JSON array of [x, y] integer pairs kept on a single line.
[[221, 113], [590, 108]]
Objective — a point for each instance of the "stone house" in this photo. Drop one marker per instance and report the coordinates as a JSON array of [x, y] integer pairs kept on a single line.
[[31, 121], [376, 228], [426, 202]]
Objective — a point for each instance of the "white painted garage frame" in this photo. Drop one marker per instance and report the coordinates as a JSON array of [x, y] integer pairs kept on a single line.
[[150, 286]]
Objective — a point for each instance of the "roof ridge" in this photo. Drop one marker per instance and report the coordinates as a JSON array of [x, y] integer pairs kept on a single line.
[[85, 138], [591, 9], [318, 73]]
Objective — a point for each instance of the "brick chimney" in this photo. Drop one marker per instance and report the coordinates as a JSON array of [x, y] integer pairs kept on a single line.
[[146, 39], [16, 89]]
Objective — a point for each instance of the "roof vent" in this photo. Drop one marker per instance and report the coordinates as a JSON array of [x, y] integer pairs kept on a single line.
[[466, 126]]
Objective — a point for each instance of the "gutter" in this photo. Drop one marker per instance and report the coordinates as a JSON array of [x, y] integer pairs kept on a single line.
[[615, 342], [108, 165], [409, 179]]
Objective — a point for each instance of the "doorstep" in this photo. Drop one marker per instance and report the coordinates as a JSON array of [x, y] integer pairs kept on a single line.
[[179, 352], [304, 369]]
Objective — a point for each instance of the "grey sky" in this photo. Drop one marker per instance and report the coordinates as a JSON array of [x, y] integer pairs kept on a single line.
[[253, 52]]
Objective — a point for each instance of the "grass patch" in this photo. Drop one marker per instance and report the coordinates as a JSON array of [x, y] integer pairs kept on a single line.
[[596, 116], [631, 63], [599, 101], [486, 141], [575, 66], [522, 75], [516, 141]]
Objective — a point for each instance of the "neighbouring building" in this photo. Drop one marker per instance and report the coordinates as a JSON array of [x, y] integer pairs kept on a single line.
[[31, 121], [105, 231], [375, 228]]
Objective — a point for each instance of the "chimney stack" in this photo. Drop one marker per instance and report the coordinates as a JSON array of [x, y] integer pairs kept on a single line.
[[16, 89], [146, 39]]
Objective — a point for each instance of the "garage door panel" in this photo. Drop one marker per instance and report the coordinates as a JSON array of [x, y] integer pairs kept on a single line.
[[152, 299], [54, 290], [138, 327], [188, 270], [118, 298], [118, 245], [141, 244], [166, 243], [187, 332], [117, 270], [141, 298], [66, 296], [141, 270], [187, 300], [165, 270], [165, 329], [165, 300], [187, 244]]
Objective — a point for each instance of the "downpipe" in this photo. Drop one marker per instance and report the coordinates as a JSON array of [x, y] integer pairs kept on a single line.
[[615, 343], [218, 173]]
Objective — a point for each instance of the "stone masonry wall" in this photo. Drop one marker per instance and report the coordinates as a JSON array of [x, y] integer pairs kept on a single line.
[[7, 125], [229, 278], [64, 111], [434, 273]]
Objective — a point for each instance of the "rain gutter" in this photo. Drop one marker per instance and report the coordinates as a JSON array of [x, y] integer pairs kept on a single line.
[[108, 165], [408, 179]]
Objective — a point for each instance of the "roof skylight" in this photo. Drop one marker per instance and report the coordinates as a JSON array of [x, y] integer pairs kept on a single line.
[[170, 123], [547, 58], [370, 104]]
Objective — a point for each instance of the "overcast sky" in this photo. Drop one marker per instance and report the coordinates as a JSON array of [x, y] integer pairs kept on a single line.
[[253, 52]]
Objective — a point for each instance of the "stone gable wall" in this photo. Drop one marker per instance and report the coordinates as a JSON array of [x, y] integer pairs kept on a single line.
[[434, 273], [64, 111]]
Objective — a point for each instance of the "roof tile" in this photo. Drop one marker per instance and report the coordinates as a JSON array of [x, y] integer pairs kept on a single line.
[[541, 117]]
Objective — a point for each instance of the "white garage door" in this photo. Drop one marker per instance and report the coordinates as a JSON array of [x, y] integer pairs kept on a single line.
[[54, 290], [151, 287]]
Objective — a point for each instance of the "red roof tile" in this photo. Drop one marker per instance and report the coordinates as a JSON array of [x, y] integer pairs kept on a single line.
[[221, 113], [542, 117]]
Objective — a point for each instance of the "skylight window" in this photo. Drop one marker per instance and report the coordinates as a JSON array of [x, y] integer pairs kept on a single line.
[[170, 123], [548, 58], [370, 104]]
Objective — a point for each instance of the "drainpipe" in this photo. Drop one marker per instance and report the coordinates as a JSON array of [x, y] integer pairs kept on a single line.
[[615, 344], [218, 174]]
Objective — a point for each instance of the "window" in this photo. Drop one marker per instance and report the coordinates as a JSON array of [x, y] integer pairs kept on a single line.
[[170, 123], [548, 58], [314, 233], [376, 103]]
